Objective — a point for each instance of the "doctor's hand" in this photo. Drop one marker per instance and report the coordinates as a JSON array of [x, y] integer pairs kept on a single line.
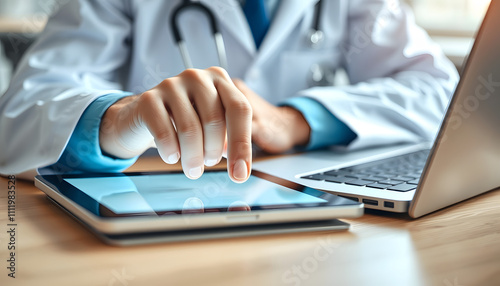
[[275, 129], [186, 117]]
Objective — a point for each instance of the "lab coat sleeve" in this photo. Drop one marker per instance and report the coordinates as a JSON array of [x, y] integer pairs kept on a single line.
[[78, 58], [401, 81], [83, 152], [326, 129]]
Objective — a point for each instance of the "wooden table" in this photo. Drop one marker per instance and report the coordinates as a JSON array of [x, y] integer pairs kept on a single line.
[[456, 246], [28, 25]]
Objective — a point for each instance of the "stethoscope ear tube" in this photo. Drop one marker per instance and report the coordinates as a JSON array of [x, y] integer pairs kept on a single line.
[[219, 42], [315, 35]]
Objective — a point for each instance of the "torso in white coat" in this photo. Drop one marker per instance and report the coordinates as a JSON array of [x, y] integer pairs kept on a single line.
[[278, 70], [91, 48]]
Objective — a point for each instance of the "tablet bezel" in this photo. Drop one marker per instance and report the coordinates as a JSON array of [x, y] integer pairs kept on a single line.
[[57, 188], [211, 233]]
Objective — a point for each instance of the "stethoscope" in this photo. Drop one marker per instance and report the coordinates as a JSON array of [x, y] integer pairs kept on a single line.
[[214, 25], [319, 75]]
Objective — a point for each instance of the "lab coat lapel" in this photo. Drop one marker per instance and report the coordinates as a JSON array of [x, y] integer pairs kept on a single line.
[[288, 14], [231, 17]]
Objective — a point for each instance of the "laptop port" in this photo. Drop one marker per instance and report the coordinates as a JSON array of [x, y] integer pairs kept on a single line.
[[350, 198], [389, 205], [370, 202]]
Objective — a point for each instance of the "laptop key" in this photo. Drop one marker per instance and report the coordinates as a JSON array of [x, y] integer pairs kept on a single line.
[[414, 175], [338, 173], [405, 178], [370, 178], [359, 182], [385, 176], [316, 177], [376, 178], [352, 177], [378, 186], [402, 187], [364, 173], [390, 182], [413, 182], [339, 179]]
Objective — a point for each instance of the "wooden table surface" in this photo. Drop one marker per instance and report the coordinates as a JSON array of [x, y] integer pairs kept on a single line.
[[456, 246], [28, 25]]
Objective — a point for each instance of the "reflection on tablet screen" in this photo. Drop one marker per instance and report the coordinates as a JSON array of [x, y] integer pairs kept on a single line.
[[174, 192]]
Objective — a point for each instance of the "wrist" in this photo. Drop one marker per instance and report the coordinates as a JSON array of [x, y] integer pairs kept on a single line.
[[300, 131], [115, 137]]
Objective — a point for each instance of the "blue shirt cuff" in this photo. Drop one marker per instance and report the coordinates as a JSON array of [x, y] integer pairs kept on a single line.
[[326, 129], [83, 152]]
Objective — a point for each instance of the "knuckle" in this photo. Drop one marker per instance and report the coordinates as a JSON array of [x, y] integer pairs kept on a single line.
[[194, 74], [241, 146], [215, 120], [189, 129], [148, 98], [218, 71], [215, 125], [168, 84], [166, 138], [147, 103], [242, 107]]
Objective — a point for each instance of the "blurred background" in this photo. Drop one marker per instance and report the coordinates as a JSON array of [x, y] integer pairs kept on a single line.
[[451, 23]]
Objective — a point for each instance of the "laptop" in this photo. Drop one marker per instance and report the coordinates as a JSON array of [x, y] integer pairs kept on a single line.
[[463, 161]]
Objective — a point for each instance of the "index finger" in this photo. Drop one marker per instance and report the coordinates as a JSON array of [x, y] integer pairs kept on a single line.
[[238, 114]]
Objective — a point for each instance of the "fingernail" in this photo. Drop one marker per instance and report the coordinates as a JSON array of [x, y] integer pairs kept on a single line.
[[195, 173], [210, 163], [240, 170], [173, 158]]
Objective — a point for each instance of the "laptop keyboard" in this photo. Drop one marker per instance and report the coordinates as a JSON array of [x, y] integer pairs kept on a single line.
[[400, 173]]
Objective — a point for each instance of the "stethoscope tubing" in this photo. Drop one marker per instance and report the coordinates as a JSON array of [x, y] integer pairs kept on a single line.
[[315, 35], [219, 41]]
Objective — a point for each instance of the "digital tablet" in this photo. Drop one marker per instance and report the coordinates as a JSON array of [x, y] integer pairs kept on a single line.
[[127, 208]]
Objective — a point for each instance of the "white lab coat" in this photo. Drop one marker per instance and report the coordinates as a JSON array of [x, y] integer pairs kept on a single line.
[[402, 82], [5, 70]]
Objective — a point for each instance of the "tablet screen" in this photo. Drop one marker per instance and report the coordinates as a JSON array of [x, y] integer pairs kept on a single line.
[[173, 192], [111, 195]]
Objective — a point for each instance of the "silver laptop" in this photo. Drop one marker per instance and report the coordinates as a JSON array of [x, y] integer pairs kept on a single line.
[[463, 162]]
